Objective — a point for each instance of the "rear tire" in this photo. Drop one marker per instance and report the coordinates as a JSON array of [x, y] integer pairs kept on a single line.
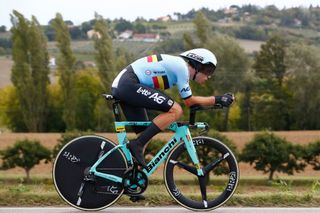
[[72, 164], [220, 184]]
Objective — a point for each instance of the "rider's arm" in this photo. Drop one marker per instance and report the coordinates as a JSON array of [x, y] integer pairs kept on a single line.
[[200, 100]]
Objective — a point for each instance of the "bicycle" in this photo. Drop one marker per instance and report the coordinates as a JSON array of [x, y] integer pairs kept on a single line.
[[92, 172]]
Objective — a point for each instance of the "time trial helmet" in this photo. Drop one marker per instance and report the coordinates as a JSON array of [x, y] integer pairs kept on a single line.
[[201, 59]]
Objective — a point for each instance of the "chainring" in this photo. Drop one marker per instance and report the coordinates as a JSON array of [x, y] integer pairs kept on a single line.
[[134, 181]]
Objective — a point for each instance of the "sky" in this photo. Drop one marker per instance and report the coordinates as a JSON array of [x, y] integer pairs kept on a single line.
[[79, 11]]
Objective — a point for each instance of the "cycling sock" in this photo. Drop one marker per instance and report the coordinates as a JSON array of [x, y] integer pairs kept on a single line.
[[148, 133]]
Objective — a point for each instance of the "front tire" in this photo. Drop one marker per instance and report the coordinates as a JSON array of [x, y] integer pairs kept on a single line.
[[217, 186]]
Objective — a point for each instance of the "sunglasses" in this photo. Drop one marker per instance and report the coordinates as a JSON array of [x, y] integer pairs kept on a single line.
[[208, 70]]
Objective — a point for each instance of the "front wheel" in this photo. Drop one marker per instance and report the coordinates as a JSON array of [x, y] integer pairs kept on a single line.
[[71, 173], [202, 193]]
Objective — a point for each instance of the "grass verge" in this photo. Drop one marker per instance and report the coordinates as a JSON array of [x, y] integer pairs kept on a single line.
[[252, 192], [163, 199]]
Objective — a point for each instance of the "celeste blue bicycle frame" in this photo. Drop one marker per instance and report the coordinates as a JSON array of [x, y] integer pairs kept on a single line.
[[181, 133]]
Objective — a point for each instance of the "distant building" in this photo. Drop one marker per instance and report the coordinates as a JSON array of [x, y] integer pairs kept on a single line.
[[230, 11], [89, 63], [125, 35], [52, 62], [246, 17], [297, 22], [92, 33], [164, 18], [146, 37]]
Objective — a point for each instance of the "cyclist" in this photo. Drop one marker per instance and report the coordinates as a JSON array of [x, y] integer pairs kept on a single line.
[[140, 87]]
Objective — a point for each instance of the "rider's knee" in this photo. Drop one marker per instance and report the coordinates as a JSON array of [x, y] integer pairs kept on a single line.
[[176, 109]]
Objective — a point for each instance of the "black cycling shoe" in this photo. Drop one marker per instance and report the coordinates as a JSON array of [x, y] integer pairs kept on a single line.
[[136, 198], [136, 150]]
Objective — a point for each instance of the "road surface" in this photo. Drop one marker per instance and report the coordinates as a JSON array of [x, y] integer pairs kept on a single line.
[[160, 210]]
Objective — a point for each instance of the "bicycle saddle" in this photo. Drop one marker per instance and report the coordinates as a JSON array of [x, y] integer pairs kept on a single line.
[[108, 97]]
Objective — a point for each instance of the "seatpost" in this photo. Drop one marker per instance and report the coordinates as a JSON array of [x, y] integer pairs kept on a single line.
[[116, 110]]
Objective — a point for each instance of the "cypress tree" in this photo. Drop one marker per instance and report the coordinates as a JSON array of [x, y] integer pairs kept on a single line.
[[103, 51], [30, 70], [66, 69], [202, 27]]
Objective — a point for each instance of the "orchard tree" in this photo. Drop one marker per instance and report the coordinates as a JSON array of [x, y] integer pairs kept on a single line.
[[25, 154], [312, 155], [66, 62], [30, 70], [270, 154]]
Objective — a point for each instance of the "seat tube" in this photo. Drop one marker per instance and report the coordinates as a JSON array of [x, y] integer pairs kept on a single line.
[[190, 147], [122, 139]]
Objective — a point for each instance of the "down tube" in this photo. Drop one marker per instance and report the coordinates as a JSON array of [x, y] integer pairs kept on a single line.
[[160, 156]]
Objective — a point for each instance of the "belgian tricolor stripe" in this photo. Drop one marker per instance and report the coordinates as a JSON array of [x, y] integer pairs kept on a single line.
[[160, 82], [154, 58]]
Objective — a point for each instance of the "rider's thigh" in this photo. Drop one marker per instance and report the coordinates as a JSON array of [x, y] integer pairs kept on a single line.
[[139, 95], [133, 113]]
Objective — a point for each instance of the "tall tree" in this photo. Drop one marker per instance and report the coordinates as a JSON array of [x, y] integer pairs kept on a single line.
[[269, 62], [244, 122], [202, 27], [103, 51], [66, 68], [30, 70], [272, 98], [188, 41], [303, 64], [123, 59]]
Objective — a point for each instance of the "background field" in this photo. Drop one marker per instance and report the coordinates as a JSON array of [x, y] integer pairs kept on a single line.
[[254, 189], [239, 138]]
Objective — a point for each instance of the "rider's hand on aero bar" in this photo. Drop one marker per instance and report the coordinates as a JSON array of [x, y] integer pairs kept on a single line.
[[224, 100]]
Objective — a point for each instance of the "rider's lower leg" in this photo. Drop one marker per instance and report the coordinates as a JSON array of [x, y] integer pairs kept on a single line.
[[159, 123]]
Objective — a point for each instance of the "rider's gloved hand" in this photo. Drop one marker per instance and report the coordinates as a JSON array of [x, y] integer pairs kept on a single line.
[[224, 100]]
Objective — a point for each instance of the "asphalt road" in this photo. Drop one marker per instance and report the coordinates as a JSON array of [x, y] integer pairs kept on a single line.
[[161, 210]]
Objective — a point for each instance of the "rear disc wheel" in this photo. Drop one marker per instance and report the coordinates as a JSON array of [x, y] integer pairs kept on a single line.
[[71, 173]]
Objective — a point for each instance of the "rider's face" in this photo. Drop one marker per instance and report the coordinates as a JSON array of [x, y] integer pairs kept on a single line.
[[201, 78]]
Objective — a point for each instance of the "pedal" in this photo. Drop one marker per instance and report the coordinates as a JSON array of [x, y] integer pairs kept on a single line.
[[137, 198]]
